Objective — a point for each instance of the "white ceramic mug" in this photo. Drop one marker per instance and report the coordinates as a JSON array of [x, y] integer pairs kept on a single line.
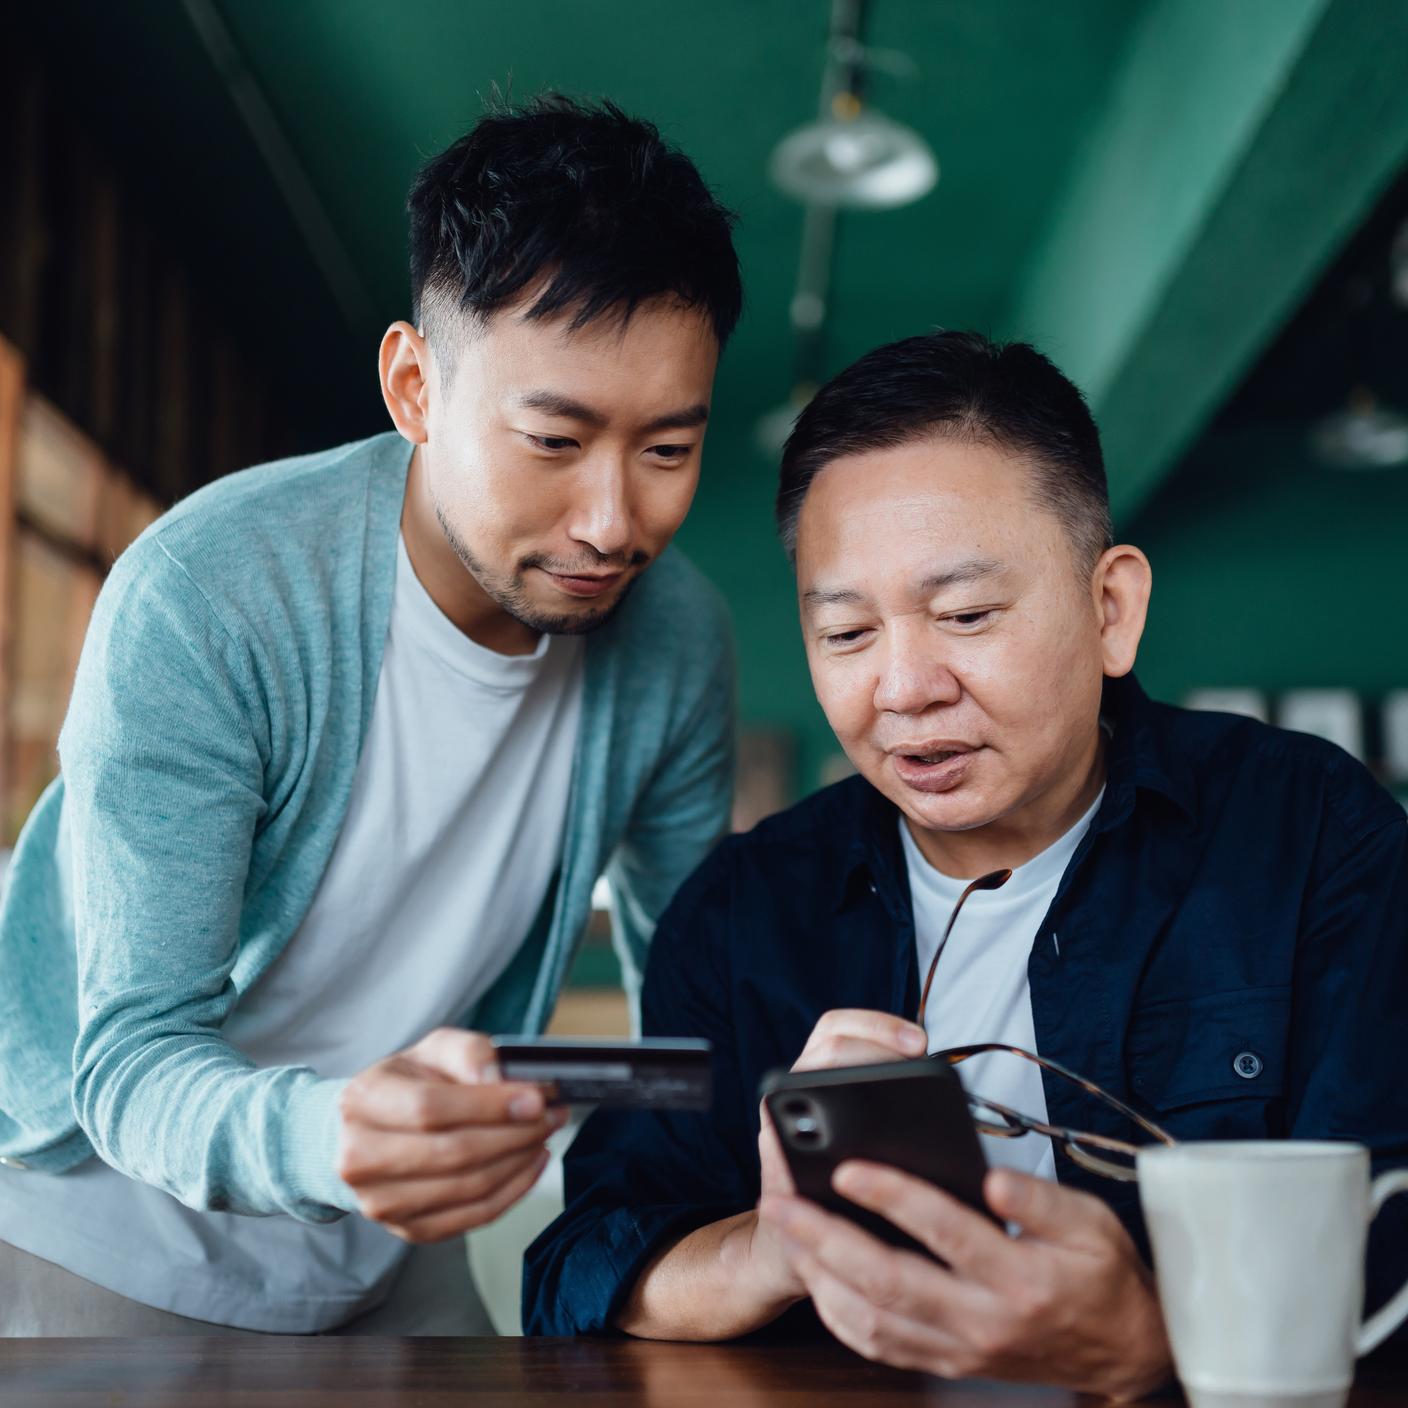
[[1259, 1256]]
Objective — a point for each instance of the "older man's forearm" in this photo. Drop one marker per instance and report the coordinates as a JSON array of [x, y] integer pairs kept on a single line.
[[706, 1286]]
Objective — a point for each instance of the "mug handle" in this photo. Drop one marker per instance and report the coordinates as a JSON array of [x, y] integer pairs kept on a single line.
[[1387, 1318]]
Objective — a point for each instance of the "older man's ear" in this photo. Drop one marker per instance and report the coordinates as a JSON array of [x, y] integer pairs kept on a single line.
[[1120, 587]]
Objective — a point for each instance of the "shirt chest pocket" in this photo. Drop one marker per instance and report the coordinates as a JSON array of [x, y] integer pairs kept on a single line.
[[1213, 1067]]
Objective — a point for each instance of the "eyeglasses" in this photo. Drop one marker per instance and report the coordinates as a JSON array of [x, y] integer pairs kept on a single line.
[[1098, 1153]]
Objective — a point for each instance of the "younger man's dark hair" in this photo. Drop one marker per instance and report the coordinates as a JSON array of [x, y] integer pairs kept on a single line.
[[586, 198], [958, 385]]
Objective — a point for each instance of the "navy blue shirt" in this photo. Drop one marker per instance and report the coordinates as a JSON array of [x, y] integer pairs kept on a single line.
[[1241, 889]]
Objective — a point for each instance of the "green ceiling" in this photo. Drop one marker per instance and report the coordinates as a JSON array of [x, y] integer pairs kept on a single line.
[[1004, 92], [1146, 188], [1112, 170]]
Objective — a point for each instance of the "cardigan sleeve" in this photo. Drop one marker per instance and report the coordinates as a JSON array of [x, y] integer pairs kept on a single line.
[[163, 755]]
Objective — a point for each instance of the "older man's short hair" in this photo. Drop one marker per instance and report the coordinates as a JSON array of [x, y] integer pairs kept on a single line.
[[958, 385]]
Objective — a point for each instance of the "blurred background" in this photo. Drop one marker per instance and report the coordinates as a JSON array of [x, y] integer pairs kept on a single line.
[[1198, 208]]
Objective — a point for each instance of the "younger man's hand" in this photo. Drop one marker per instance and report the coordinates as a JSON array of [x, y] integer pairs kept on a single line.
[[434, 1143]]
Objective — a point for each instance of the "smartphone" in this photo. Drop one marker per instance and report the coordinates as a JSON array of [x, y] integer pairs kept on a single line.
[[911, 1115], [654, 1073]]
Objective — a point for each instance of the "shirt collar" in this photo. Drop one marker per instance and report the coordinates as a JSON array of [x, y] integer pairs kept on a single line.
[[1140, 757]]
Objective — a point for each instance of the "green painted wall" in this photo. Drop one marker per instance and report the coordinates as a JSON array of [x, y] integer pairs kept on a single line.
[[1274, 572], [729, 533]]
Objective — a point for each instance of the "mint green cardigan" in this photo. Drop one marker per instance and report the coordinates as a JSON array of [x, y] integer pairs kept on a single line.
[[224, 690]]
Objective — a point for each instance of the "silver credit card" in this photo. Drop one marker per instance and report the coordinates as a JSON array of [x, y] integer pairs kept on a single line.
[[655, 1073]]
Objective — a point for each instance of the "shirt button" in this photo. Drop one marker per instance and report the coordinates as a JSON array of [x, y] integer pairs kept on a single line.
[[13, 1163], [1247, 1064]]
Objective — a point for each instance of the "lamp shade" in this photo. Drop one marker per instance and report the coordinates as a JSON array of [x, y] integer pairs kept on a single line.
[[866, 162], [1366, 435]]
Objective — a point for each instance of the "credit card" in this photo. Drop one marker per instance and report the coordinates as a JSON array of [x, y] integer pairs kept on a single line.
[[655, 1073]]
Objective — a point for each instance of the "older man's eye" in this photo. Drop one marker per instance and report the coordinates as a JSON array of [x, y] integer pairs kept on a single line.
[[843, 637], [969, 618]]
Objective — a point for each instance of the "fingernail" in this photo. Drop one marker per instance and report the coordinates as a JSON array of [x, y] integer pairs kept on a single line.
[[850, 1179], [527, 1106], [1002, 1192], [912, 1039]]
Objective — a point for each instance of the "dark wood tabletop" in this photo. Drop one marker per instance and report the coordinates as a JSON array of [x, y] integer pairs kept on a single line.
[[368, 1372]]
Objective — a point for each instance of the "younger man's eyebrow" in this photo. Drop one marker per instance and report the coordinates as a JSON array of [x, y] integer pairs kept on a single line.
[[685, 419], [554, 403]]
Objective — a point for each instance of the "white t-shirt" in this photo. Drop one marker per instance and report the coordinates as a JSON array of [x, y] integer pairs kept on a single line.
[[980, 990], [453, 832]]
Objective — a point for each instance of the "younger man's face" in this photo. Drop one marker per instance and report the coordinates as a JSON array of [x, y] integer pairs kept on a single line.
[[560, 464], [954, 644]]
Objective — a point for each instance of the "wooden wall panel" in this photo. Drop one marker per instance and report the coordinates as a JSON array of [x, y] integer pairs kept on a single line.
[[65, 514], [12, 382], [60, 476]]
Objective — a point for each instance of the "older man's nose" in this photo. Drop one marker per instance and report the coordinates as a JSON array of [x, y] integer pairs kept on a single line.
[[913, 680]]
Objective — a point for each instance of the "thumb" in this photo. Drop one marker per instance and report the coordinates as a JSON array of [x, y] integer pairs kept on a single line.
[[466, 1057]]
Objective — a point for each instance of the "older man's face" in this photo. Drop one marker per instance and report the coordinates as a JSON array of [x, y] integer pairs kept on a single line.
[[953, 642]]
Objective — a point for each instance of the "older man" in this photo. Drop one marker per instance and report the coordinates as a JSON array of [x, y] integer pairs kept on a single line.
[[1205, 916]]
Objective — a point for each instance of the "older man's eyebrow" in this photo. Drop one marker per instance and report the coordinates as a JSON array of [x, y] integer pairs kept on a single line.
[[972, 569], [838, 596], [555, 403]]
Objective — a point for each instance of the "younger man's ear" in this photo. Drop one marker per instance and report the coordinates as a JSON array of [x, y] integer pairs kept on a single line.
[[1121, 585], [404, 364]]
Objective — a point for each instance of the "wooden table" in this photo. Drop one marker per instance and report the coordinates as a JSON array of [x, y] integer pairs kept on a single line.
[[297, 1372]]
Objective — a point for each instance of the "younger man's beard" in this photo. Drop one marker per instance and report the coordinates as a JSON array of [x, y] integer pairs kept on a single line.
[[511, 597]]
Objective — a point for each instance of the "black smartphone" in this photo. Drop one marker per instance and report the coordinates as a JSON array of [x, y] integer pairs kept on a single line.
[[911, 1115]]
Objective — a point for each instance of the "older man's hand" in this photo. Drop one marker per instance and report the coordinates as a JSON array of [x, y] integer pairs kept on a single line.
[[1068, 1302], [842, 1037]]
